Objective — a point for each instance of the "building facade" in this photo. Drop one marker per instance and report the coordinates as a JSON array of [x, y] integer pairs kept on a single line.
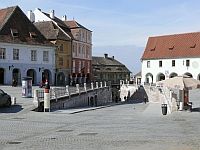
[[109, 69], [63, 50], [171, 55], [81, 52], [79, 41], [24, 51], [58, 33]]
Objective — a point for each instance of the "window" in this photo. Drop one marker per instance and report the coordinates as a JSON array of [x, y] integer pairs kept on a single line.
[[83, 64], [15, 54], [33, 35], [171, 47], [187, 63], [60, 61], [79, 50], [160, 63], [61, 47], [193, 45], [14, 32], [148, 64], [45, 56], [2, 53], [79, 66], [67, 63], [173, 63], [108, 68], [33, 55], [73, 66], [88, 67]]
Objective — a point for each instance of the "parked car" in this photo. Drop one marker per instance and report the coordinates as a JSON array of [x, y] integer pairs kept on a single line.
[[5, 99]]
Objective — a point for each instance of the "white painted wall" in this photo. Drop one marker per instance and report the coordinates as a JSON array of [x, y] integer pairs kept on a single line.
[[39, 16], [180, 68], [24, 63]]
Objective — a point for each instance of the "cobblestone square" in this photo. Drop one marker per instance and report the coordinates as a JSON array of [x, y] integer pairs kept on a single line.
[[120, 127]]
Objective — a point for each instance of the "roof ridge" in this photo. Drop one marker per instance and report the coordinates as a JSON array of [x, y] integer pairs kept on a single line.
[[48, 15], [176, 34]]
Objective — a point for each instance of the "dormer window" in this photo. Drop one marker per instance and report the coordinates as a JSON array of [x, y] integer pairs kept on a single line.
[[108, 68], [171, 47], [120, 69], [153, 48], [193, 45], [14, 32], [33, 35]]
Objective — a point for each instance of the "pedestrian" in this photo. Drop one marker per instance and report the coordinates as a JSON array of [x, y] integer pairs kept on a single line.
[[145, 99]]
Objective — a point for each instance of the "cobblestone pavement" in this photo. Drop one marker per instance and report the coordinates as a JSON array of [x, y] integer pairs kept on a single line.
[[121, 127]]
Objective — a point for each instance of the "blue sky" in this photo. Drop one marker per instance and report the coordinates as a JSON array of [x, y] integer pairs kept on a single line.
[[122, 23]]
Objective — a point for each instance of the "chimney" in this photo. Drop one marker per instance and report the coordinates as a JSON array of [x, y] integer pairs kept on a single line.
[[106, 55], [64, 18], [31, 16], [113, 57], [52, 14]]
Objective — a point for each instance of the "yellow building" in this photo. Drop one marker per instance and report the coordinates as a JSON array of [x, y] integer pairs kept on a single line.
[[60, 36]]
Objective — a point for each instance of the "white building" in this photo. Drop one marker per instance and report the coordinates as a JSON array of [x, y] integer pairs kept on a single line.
[[171, 55], [23, 49]]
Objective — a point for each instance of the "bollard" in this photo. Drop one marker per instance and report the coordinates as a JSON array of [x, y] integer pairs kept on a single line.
[[101, 85], [97, 85], [104, 83], [85, 88], [77, 88], [36, 99], [92, 86], [47, 97], [67, 89], [13, 100]]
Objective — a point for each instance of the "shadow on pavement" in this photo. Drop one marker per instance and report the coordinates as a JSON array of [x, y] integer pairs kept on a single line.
[[140, 96], [11, 109], [197, 109]]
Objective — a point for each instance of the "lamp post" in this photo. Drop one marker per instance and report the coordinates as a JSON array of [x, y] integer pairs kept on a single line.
[[10, 67]]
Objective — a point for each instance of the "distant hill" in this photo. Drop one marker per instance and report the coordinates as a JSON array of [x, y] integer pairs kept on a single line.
[[129, 55]]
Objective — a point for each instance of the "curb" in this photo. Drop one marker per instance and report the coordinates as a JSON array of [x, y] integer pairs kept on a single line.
[[95, 108]]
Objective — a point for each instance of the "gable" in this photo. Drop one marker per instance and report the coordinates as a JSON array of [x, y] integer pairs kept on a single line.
[[18, 24]]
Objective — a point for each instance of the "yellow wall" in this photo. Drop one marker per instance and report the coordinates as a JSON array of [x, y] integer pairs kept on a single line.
[[65, 54]]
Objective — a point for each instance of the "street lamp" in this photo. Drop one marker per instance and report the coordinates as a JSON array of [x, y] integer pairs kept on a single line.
[[42, 68], [11, 67]]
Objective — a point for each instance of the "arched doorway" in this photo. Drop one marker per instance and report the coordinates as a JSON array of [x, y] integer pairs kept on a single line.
[[16, 76], [149, 78], [1, 76], [61, 79], [188, 74], [198, 77], [173, 74], [160, 77], [46, 75], [32, 73]]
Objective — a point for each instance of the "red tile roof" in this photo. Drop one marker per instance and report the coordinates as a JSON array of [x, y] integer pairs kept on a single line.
[[5, 15], [73, 25], [173, 46]]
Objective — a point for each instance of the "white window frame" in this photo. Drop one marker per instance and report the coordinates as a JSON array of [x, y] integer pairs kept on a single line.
[[33, 55], [46, 56], [15, 54], [148, 64], [2, 53]]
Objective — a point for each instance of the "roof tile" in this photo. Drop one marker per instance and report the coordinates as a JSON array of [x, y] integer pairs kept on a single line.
[[173, 46]]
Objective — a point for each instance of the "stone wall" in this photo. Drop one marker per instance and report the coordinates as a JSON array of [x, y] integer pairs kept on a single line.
[[89, 98]]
